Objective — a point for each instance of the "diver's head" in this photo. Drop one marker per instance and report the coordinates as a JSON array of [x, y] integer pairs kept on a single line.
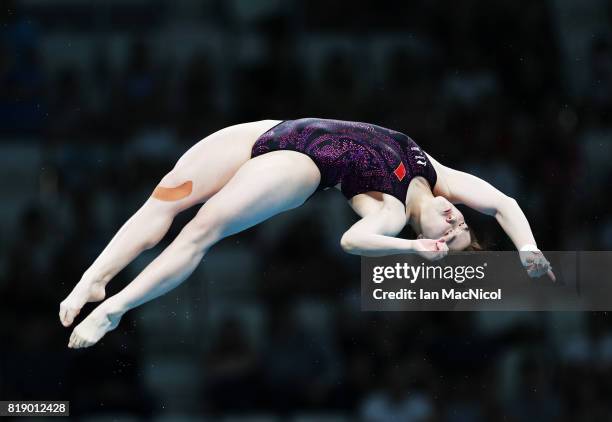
[[441, 219]]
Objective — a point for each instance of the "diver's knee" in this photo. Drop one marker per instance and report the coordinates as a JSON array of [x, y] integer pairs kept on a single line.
[[174, 186], [205, 229]]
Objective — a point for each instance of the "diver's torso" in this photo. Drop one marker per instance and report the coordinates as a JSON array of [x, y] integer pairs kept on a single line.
[[358, 156]]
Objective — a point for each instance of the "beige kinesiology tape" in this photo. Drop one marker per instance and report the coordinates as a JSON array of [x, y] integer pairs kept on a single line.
[[173, 194]]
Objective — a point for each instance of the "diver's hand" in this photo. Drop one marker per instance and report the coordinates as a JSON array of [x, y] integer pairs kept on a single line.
[[431, 249], [536, 264]]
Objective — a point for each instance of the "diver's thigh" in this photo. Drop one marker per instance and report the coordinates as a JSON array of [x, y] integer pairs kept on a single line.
[[261, 188]]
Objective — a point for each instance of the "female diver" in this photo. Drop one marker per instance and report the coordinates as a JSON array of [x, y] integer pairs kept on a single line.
[[247, 173]]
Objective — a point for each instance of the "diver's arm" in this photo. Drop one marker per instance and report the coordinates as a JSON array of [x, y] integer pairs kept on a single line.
[[463, 188], [374, 234]]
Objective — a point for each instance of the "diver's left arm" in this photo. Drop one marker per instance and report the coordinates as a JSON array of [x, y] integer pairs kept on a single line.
[[463, 188], [382, 218]]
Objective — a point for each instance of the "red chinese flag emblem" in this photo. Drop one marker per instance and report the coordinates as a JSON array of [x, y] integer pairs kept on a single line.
[[400, 171]]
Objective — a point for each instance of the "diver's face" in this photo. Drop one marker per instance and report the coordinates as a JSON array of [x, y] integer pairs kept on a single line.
[[440, 218]]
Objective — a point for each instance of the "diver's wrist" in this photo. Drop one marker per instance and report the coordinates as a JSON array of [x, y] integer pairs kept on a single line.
[[529, 247]]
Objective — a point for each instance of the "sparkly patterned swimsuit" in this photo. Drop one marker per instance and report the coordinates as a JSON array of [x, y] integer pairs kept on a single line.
[[360, 156]]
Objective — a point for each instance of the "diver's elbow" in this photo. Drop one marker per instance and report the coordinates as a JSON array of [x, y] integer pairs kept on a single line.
[[505, 205], [348, 243]]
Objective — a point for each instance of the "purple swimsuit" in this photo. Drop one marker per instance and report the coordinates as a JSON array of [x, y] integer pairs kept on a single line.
[[360, 156]]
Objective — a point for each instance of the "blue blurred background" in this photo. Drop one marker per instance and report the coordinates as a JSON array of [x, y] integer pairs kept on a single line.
[[98, 99]]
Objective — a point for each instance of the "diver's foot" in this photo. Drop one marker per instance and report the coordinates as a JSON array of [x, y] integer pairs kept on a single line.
[[83, 292], [92, 329]]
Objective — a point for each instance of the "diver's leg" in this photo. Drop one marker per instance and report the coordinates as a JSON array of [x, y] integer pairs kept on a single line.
[[198, 174], [262, 187]]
